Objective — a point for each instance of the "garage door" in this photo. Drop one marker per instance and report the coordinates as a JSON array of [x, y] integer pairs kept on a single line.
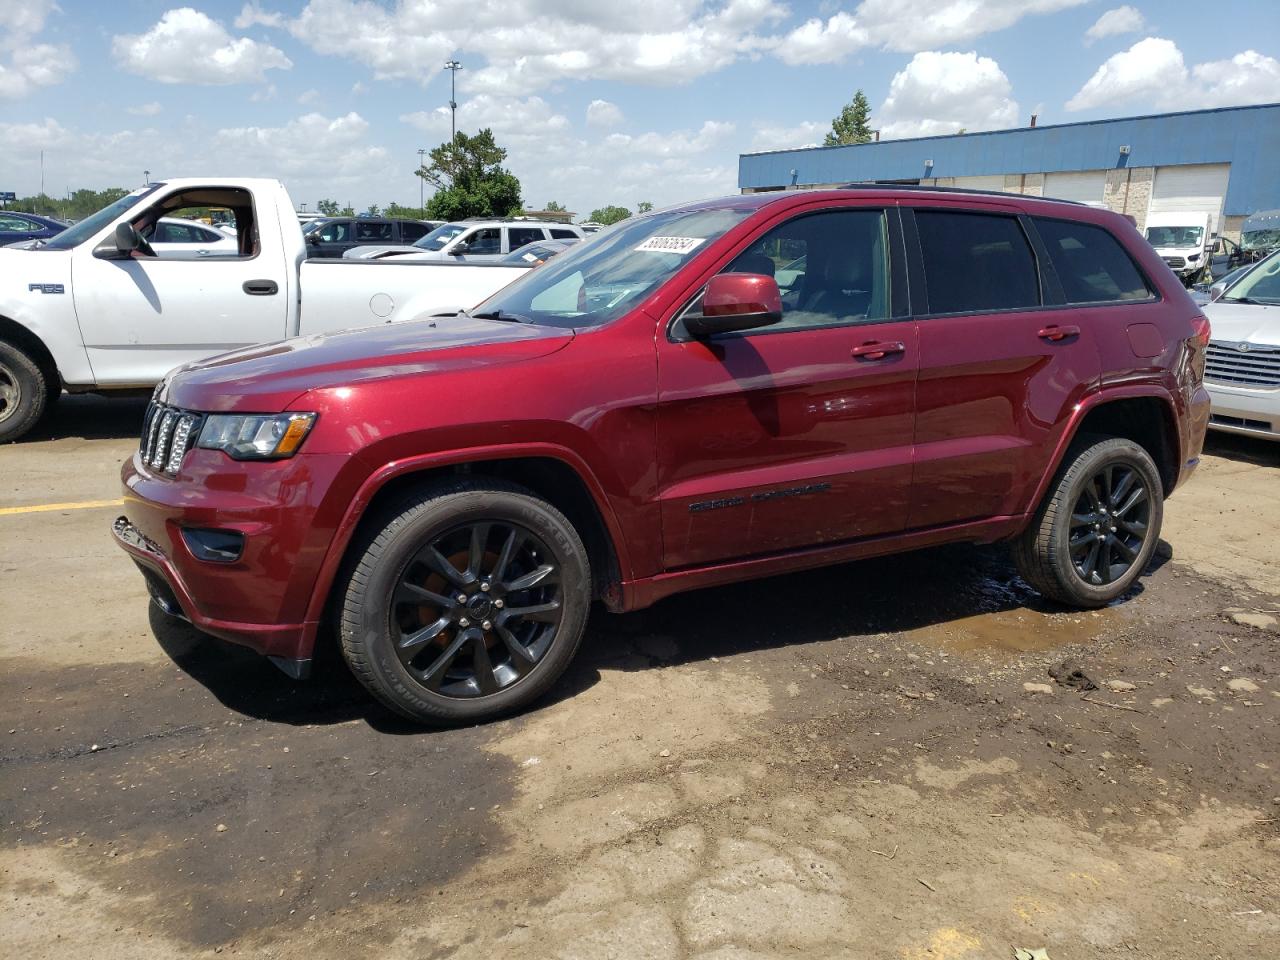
[[1195, 188], [1084, 186], [981, 183]]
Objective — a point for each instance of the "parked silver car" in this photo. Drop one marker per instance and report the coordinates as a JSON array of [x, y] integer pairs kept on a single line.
[[1242, 367], [471, 241]]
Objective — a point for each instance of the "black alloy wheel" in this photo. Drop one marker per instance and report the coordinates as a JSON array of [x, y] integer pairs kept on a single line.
[[476, 609], [1109, 524]]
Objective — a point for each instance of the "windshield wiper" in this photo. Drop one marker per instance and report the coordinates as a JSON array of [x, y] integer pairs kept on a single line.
[[498, 315]]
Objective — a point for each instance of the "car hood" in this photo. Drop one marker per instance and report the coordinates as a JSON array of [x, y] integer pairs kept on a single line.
[[1243, 322], [268, 377]]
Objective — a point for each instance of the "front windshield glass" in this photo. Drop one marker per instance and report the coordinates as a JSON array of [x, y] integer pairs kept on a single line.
[[437, 238], [1175, 236], [1263, 239], [86, 228], [1259, 285], [600, 279]]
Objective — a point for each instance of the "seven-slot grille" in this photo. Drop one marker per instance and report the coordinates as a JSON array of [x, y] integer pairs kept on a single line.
[[1257, 366], [167, 434], [1175, 262]]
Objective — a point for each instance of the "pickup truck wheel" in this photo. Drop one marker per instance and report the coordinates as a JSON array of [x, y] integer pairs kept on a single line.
[[23, 392], [1097, 528], [468, 602]]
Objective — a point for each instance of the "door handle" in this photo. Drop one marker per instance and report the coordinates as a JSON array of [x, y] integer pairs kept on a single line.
[[878, 350], [1054, 333], [260, 288]]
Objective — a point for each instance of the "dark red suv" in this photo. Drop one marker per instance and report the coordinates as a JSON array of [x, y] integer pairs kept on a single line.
[[719, 391]]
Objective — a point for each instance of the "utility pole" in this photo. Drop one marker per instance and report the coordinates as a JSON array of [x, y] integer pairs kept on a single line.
[[146, 178], [42, 173], [422, 181], [453, 66]]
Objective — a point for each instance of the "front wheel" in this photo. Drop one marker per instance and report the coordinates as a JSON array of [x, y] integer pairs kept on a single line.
[[24, 392], [1097, 528], [468, 603]]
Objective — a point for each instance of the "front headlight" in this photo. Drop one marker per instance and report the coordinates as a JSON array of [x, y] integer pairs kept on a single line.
[[1193, 258], [256, 436]]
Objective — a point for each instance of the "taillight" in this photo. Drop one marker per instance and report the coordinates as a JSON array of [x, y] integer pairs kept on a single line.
[[1200, 331]]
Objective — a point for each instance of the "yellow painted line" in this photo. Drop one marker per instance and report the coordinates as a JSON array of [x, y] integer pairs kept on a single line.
[[54, 507]]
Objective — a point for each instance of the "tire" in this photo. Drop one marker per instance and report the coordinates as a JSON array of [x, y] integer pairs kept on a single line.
[[422, 599], [1108, 493], [24, 392]]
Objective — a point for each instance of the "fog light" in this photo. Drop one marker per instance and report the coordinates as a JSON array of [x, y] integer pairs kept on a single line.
[[214, 546]]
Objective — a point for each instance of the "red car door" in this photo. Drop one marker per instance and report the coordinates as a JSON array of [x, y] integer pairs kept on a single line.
[[798, 434], [999, 370]]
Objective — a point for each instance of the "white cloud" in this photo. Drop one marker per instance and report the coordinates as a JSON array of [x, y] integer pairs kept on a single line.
[[774, 136], [24, 64], [515, 121], [941, 93], [1154, 73], [145, 109], [186, 46], [602, 113], [905, 25], [1121, 20]]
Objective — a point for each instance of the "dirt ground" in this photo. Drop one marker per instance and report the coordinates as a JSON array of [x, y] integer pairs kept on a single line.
[[836, 764]]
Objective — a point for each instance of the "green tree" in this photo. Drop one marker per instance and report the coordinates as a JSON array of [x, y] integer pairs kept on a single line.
[[403, 213], [328, 207], [853, 125], [373, 211], [553, 207], [644, 206], [470, 180], [609, 214], [76, 206]]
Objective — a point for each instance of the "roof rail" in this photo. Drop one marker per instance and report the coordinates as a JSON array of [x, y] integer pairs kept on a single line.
[[961, 190]]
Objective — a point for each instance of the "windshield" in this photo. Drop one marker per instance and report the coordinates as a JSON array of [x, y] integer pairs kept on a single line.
[[1175, 236], [1259, 285], [437, 238], [1263, 239], [600, 279], [86, 228]]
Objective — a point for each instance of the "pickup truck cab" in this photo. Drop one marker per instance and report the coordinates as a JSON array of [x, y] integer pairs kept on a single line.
[[1183, 241], [647, 412], [97, 308], [471, 241]]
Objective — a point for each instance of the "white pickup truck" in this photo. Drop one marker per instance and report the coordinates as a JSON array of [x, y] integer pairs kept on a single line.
[[95, 309]]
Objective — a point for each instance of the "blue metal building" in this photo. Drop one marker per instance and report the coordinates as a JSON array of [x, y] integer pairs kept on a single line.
[[1225, 161]]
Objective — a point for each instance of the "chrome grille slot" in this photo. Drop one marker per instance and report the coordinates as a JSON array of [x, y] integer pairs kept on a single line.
[[168, 434], [1255, 367], [1175, 262]]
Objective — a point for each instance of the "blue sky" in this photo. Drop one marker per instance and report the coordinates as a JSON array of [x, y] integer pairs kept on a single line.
[[597, 102]]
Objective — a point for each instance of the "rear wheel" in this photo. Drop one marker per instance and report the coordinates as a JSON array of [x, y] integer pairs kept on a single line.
[[24, 393], [468, 603], [1098, 526]]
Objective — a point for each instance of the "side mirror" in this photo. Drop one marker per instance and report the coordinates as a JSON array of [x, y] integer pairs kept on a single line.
[[736, 301], [313, 238], [1217, 245], [459, 248], [1216, 291], [120, 245]]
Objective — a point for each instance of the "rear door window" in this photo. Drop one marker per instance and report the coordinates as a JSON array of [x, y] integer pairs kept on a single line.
[[517, 237], [484, 241], [1091, 264], [410, 232], [374, 231], [563, 234], [976, 262]]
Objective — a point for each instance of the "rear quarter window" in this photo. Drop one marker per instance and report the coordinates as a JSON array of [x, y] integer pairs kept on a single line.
[[1091, 264], [976, 262]]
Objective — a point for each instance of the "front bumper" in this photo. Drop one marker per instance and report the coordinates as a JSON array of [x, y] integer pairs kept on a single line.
[[261, 599], [1253, 413]]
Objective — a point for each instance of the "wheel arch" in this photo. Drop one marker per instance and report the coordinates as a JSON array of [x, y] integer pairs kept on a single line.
[[20, 336], [555, 475], [1145, 416]]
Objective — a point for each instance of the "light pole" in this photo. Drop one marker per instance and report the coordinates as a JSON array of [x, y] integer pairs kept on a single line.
[[146, 178], [422, 182], [453, 66]]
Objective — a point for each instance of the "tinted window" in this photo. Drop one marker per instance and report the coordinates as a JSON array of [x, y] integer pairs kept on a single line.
[[374, 232], [488, 240], [410, 232], [336, 231], [519, 236], [1090, 262], [177, 233], [976, 262], [17, 224], [844, 272], [563, 234]]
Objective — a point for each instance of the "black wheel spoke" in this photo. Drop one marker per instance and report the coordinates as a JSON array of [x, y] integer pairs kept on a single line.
[[475, 555], [1104, 560], [515, 540], [411, 644], [441, 565], [1090, 566], [1135, 498], [1078, 545], [413, 593], [434, 675], [1122, 488], [541, 612], [1133, 528], [481, 665], [1118, 543], [1083, 519], [521, 660], [1105, 484], [544, 574]]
